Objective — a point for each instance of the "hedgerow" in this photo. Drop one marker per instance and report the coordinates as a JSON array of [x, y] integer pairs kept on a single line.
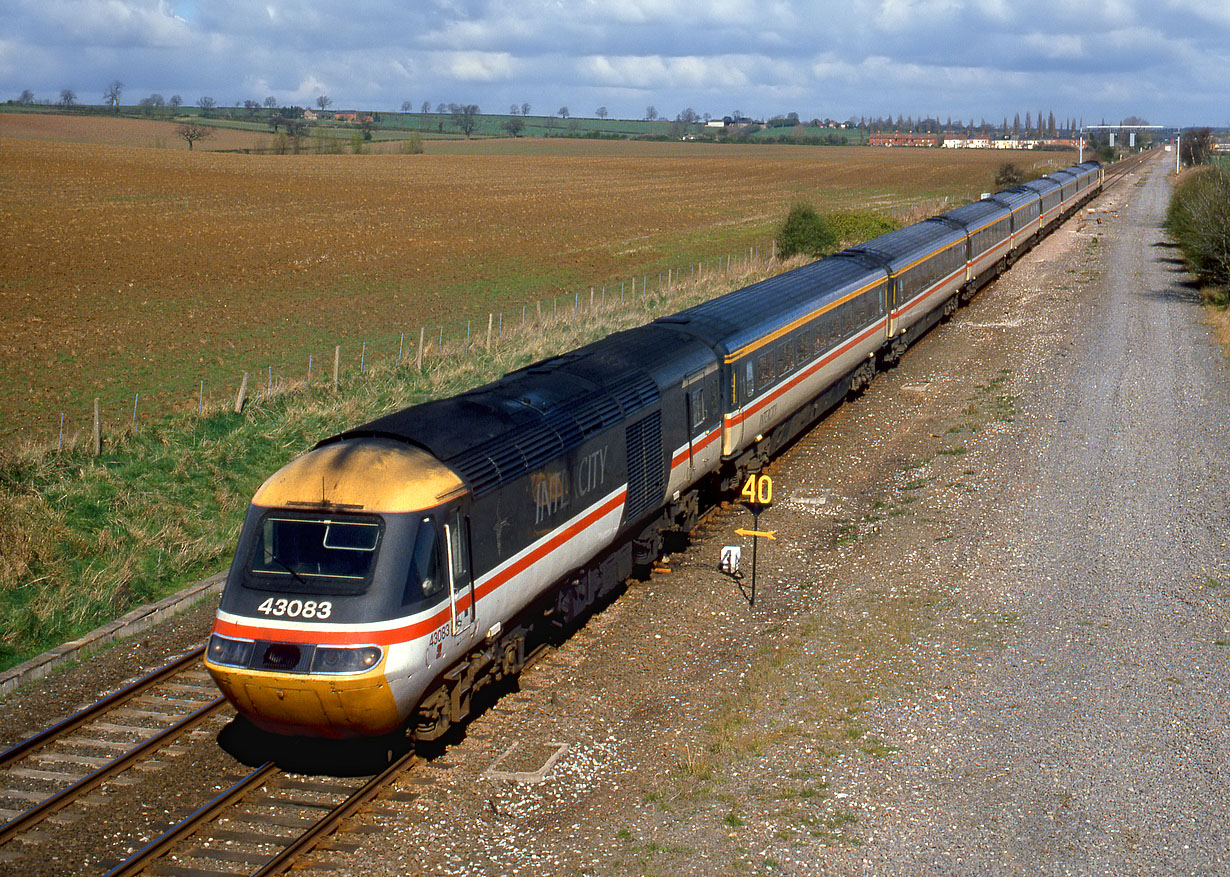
[[1198, 219]]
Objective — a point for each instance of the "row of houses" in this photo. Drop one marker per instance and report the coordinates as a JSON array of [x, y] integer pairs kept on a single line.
[[932, 140], [352, 118]]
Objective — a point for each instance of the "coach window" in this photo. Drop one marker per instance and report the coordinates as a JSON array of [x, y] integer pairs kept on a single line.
[[764, 370], [867, 310], [785, 358]]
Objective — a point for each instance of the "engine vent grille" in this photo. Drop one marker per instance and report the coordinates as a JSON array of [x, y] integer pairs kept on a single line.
[[646, 467]]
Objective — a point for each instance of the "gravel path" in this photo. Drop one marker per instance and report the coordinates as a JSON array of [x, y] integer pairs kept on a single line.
[[1097, 741]]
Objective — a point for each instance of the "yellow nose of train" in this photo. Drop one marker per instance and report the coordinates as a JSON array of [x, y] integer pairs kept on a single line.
[[323, 614]]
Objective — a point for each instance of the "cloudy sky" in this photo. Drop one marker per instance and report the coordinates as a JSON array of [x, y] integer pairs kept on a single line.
[[1163, 60]]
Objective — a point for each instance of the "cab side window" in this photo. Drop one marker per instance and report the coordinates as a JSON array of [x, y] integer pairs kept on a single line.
[[458, 544], [426, 576]]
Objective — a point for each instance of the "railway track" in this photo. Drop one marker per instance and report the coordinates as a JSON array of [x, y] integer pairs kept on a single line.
[[60, 766], [271, 818], [1117, 172], [262, 824]]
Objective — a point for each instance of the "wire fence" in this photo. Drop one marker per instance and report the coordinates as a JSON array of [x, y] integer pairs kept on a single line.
[[262, 377]]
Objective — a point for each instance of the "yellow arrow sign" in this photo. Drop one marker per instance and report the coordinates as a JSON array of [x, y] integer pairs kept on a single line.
[[768, 534]]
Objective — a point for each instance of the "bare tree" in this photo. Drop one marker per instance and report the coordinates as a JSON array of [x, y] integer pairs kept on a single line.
[[563, 113], [514, 126], [111, 94], [601, 112], [191, 132], [525, 109], [153, 103], [651, 113], [175, 102], [465, 117], [27, 97], [426, 107], [296, 130], [68, 97], [1195, 146], [324, 102], [206, 104], [406, 106], [512, 110], [271, 103]]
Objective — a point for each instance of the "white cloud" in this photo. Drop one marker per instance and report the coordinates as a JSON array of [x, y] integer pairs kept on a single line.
[[122, 23], [478, 66], [1214, 11], [308, 89], [655, 71], [1055, 45], [898, 15]]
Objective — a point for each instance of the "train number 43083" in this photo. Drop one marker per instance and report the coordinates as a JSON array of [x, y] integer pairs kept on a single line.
[[284, 608]]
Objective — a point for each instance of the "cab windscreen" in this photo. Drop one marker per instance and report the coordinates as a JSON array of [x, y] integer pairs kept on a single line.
[[319, 555]]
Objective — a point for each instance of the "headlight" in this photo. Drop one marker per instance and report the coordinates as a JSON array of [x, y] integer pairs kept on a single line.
[[329, 659], [233, 652]]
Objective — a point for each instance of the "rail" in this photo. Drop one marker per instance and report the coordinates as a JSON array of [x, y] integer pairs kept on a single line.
[[218, 846], [47, 802]]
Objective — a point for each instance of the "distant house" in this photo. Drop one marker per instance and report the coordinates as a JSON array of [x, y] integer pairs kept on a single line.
[[886, 138], [310, 116], [1015, 143]]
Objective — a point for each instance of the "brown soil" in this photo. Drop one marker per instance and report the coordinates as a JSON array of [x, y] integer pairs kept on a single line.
[[131, 269]]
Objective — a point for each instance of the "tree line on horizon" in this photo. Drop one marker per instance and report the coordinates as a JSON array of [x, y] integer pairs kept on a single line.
[[465, 117]]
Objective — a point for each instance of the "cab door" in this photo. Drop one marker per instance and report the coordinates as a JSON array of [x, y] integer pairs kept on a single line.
[[702, 412], [894, 302], [464, 610]]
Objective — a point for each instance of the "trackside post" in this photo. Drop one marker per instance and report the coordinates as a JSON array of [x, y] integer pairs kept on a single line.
[[757, 495]]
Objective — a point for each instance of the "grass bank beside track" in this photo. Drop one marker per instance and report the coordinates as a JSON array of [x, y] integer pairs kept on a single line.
[[86, 538]]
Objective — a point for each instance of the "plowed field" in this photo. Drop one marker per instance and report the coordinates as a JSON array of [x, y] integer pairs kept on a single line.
[[135, 269]]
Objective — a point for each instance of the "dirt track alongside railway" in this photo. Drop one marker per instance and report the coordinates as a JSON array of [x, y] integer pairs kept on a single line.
[[991, 637]]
